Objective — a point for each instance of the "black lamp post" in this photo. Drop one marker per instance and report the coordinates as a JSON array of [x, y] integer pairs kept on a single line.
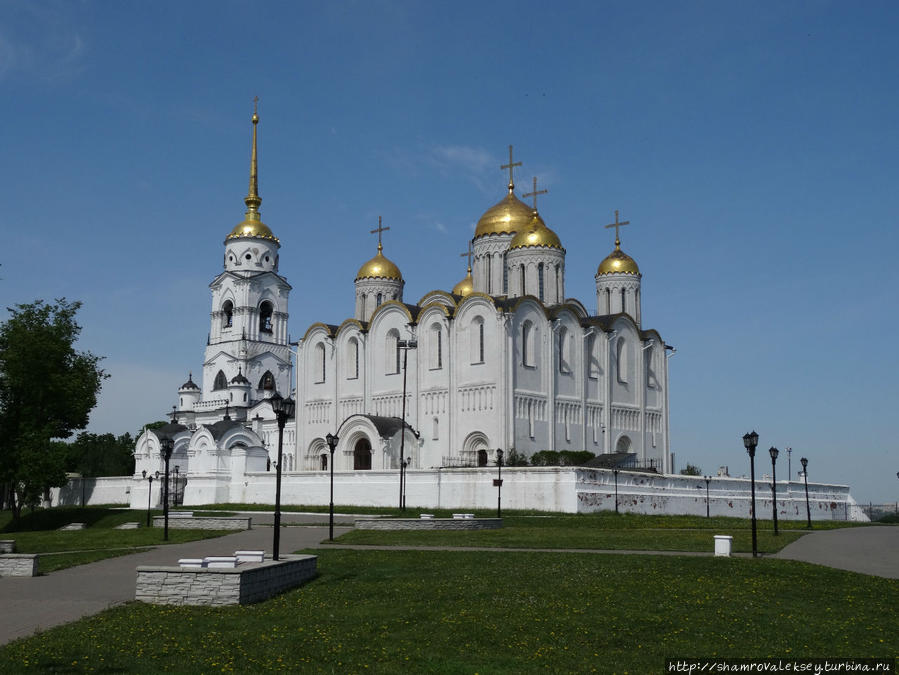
[[808, 509], [405, 345], [166, 445], [774, 452], [750, 442], [708, 479], [499, 483], [615, 472], [283, 409], [149, 494], [331, 440]]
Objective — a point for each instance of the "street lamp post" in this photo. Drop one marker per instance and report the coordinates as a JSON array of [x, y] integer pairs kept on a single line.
[[149, 494], [615, 472], [499, 483], [283, 409], [166, 444], [708, 479], [789, 468], [774, 452], [808, 509], [750, 442], [405, 345], [331, 440]]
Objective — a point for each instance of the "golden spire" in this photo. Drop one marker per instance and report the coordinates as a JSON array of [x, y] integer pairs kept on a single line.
[[510, 166], [535, 193], [617, 225], [253, 200]]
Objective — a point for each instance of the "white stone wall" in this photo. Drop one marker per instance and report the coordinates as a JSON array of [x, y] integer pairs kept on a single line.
[[96, 491]]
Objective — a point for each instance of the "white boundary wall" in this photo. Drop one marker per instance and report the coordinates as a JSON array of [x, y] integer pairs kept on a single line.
[[565, 489]]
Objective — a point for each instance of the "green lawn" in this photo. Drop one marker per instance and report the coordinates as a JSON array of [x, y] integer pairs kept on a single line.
[[466, 612]]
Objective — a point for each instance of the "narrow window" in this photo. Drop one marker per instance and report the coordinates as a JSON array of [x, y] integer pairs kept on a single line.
[[622, 301], [622, 361], [540, 281], [480, 342], [221, 382], [608, 301], [559, 297], [564, 344], [521, 269], [378, 300], [392, 353], [227, 314], [505, 275], [526, 356], [489, 274], [320, 362], [352, 360], [439, 348], [436, 434], [266, 309]]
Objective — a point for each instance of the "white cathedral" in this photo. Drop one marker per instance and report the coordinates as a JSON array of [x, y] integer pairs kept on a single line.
[[502, 361]]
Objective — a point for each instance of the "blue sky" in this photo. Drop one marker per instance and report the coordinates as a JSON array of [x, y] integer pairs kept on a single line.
[[752, 146]]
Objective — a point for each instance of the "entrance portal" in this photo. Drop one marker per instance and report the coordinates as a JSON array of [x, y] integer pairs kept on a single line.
[[362, 455]]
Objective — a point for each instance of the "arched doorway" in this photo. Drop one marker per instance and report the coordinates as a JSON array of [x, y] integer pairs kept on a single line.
[[324, 462], [362, 455], [482, 458], [623, 445]]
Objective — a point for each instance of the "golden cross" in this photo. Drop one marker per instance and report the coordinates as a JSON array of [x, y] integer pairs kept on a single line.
[[510, 166], [617, 225], [379, 230], [467, 254], [535, 193]]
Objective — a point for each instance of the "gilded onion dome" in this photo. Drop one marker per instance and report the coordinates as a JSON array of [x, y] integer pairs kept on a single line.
[[464, 287], [379, 267], [536, 233], [252, 226], [618, 262], [508, 217]]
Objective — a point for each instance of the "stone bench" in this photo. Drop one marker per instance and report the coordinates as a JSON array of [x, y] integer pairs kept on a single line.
[[215, 562], [205, 523], [463, 516], [181, 514], [426, 516], [244, 584], [249, 556], [428, 523], [72, 526], [7, 545], [18, 564], [127, 526], [192, 563]]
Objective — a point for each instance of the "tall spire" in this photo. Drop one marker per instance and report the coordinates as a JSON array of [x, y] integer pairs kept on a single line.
[[253, 200]]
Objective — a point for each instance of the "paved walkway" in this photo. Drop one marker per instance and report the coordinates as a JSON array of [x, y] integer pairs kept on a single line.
[[869, 550], [32, 604]]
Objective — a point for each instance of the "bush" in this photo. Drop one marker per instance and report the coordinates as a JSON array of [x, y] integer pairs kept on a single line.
[[561, 457]]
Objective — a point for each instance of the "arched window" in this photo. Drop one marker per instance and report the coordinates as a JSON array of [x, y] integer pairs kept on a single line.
[[266, 309], [608, 301], [651, 381], [319, 363], [521, 270], [392, 353], [564, 351], [489, 273], [221, 382], [623, 296], [436, 347], [364, 315], [527, 344], [559, 297], [267, 382], [592, 358], [352, 359], [476, 340], [227, 314], [623, 444], [378, 300], [540, 281], [621, 358], [505, 274], [436, 433]]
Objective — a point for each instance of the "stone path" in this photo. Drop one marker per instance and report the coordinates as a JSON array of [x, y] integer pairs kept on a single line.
[[869, 550], [38, 603]]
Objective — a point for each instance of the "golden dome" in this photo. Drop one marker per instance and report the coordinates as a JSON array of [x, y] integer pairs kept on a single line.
[[464, 287], [507, 217], [252, 228], [379, 267], [535, 234], [618, 262]]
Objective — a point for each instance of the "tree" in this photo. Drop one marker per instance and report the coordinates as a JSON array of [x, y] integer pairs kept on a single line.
[[691, 470], [101, 455], [47, 390]]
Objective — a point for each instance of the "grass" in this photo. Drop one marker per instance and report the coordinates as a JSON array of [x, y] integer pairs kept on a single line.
[[39, 532], [464, 612]]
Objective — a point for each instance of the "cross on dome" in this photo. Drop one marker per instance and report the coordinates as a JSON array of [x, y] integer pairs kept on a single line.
[[617, 225], [379, 230], [535, 193], [467, 254], [510, 166]]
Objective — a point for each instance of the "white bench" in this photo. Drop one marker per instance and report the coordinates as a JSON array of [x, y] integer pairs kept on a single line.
[[426, 516], [463, 516], [181, 514], [192, 563], [220, 561], [249, 556]]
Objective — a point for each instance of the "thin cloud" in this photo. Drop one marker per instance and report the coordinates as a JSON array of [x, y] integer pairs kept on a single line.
[[40, 42], [476, 164], [440, 227]]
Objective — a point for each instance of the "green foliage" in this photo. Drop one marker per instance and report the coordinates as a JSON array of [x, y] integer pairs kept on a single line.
[[491, 612], [514, 458], [691, 470], [561, 458], [47, 390], [101, 455]]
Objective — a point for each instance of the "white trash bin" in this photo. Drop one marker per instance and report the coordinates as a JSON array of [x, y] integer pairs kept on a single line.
[[722, 545]]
